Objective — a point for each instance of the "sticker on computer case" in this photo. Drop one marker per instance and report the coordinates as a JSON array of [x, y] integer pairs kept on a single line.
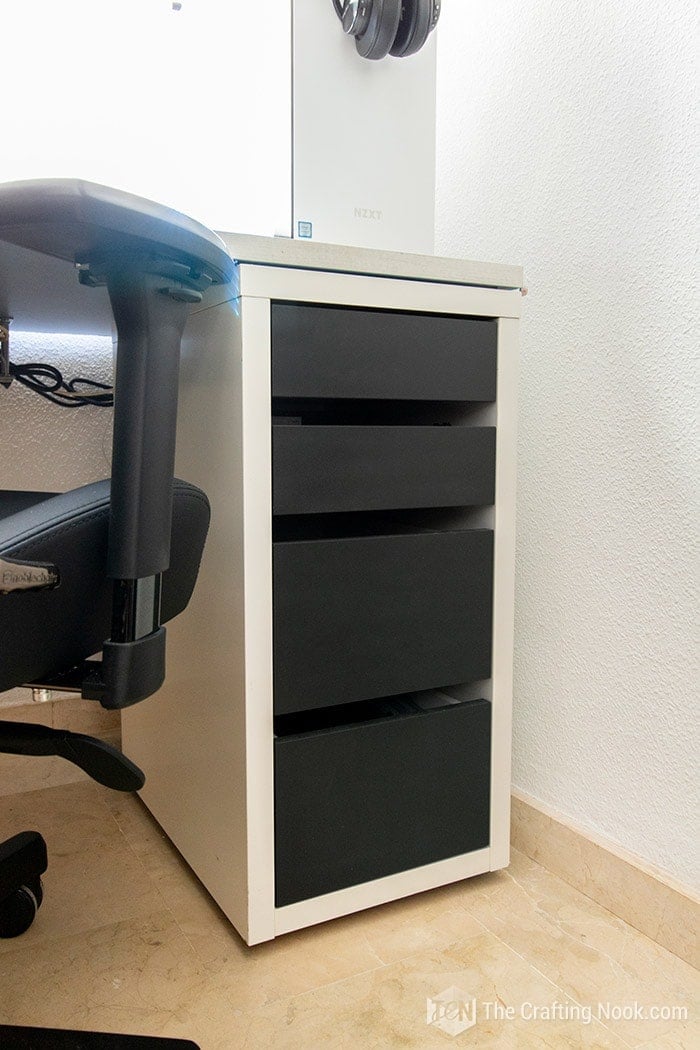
[[305, 230]]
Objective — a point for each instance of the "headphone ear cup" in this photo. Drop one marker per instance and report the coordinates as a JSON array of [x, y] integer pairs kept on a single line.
[[414, 28], [382, 26]]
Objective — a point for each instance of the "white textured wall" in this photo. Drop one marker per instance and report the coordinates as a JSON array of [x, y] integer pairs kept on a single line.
[[43, 446], [565, 143]]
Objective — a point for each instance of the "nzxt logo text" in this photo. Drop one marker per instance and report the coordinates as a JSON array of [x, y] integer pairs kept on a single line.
[[368, 213]]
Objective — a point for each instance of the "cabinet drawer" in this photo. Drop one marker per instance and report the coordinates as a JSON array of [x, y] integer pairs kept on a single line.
[[318, 469], [370, 616], [370, 799], [342, 352]]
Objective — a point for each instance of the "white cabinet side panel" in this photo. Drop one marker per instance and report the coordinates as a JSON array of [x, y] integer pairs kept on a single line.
[[191, 738], [503, 590], [257, 568]]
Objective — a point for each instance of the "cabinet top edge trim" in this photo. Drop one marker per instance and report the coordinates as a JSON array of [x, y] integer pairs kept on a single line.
[[313, 255], [396, 294]]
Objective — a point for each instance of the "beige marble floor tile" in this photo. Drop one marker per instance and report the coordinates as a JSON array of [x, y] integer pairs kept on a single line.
[[360, 942], [258, 975], [585, 950], [388, 1007], [129, 941], [86, 891], [288, 966], [208, 929], [141, 970], [680, 1037], [665, 913], [141, 830], [581, 918], [93, 879], [71, 817], [424, 922], [19, 773]]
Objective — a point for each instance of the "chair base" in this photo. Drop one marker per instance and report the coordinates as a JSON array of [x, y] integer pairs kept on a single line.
[[12, 1038], [23, 860]]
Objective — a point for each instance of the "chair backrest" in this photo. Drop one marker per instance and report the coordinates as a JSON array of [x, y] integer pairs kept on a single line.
[[46, 632]]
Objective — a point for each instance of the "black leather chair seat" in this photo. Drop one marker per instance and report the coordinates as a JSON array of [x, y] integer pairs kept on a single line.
[[45, 632]]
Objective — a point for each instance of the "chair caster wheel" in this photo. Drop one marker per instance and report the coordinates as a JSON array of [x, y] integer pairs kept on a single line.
[[17, 912]]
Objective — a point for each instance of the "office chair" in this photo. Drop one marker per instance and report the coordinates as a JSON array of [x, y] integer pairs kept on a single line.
[[100, 568]]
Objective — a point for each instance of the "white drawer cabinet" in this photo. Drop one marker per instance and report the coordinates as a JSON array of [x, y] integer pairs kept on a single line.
[[344, 668]]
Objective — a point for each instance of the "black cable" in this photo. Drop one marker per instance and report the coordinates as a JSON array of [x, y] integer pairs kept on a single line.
[[48, 382], [338, 5]]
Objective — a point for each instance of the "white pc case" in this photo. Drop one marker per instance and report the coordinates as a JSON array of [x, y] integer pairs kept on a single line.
[[363, 139]]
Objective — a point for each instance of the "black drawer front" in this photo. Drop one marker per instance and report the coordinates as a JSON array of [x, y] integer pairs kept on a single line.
[[375, 616], [339, 352], [319, 469], [372, 799]]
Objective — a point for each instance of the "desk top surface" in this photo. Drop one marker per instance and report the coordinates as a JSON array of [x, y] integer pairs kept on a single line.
[[42, 294], [312, 255]]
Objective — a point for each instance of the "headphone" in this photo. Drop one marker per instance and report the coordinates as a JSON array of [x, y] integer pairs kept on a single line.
[[388, 27]]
